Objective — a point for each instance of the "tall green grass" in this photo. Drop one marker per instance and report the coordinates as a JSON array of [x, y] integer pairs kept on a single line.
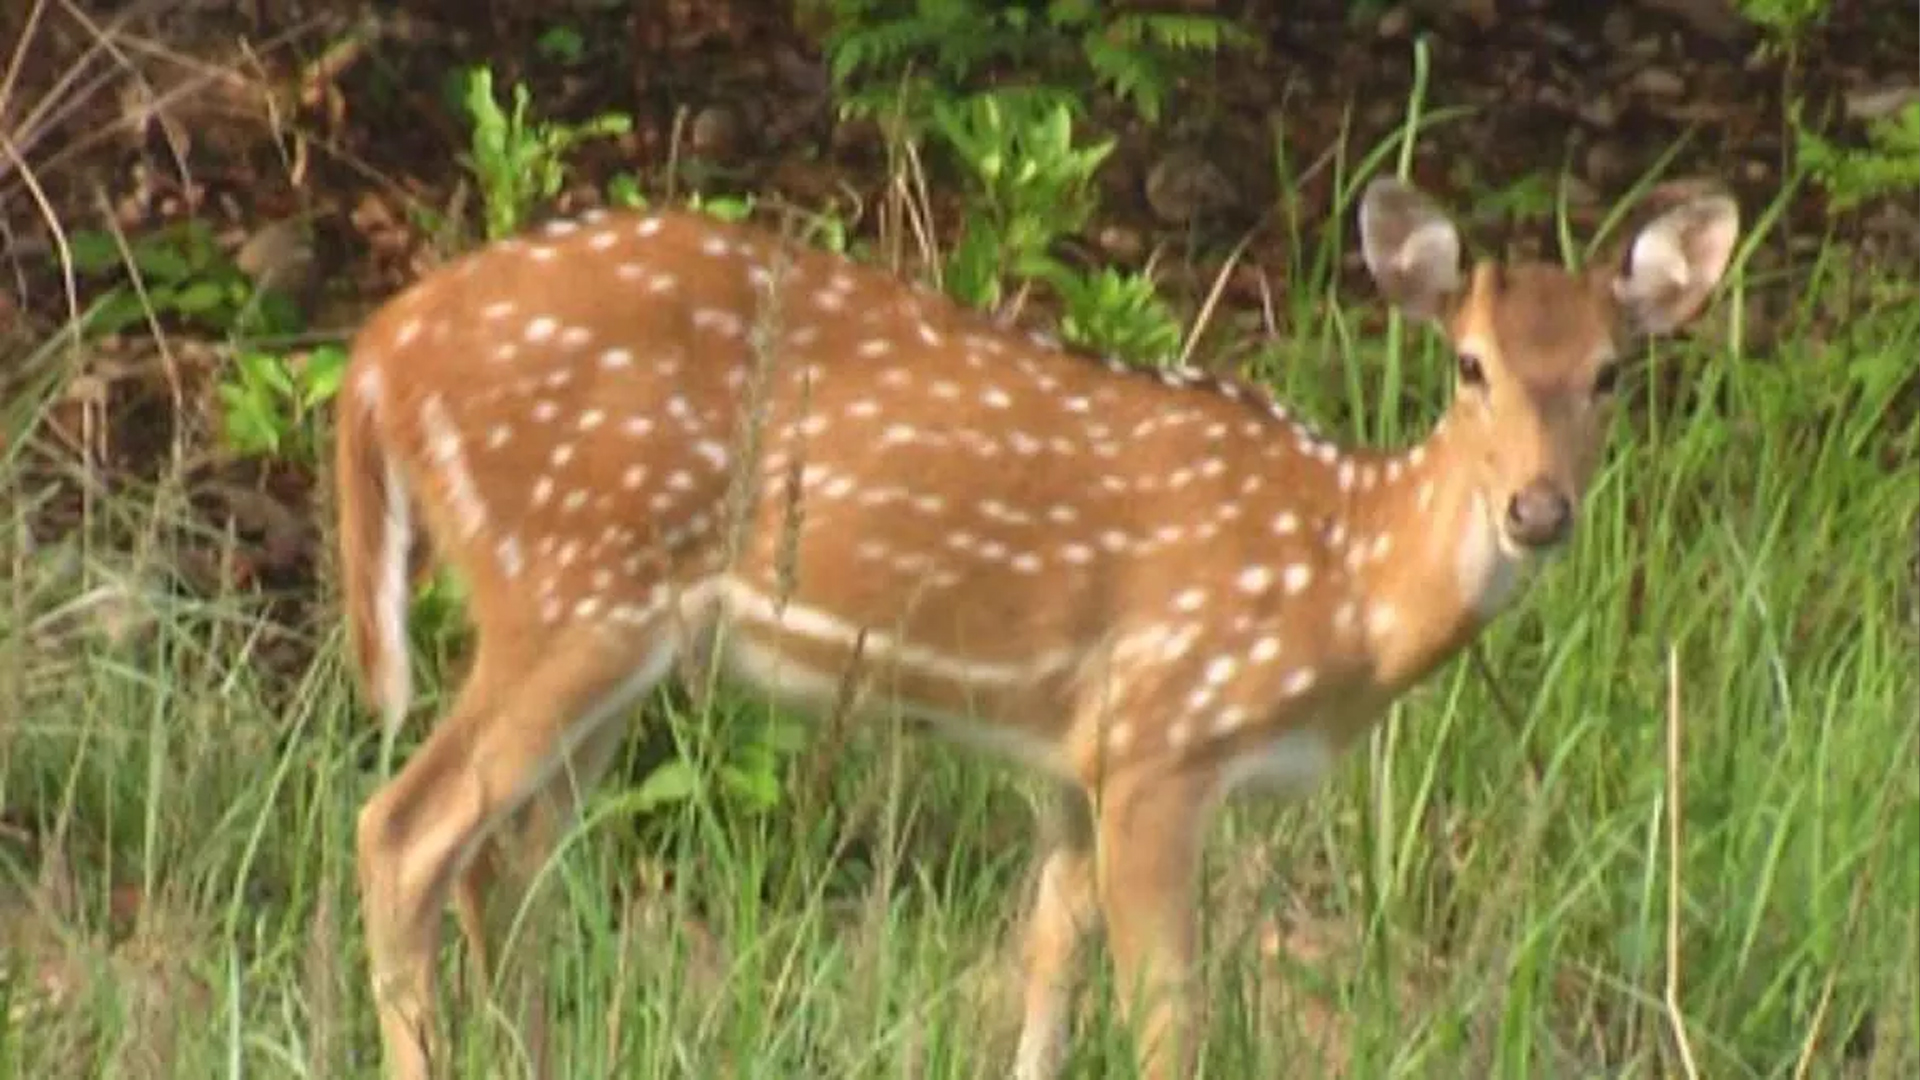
[[1736, 626]]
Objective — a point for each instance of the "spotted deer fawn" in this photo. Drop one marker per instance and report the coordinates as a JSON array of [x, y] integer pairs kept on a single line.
[[655, 439]]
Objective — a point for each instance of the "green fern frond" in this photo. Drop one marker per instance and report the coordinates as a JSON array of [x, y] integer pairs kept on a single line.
[[1132, 74], [1183, 33]]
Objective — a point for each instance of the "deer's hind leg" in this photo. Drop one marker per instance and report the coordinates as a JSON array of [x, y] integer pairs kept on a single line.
[[532, 709], [507, 915]]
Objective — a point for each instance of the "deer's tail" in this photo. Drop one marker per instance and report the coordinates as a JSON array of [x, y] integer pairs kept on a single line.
[[376, 538]]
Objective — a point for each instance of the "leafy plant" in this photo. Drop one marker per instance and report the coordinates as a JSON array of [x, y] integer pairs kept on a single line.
[[1785, 20], [268, 399], [437, 621], [829, 231], [722, 207], [1117, 314], [742, 770], [1530, 196], [562, 44], [1887, 165], [1029, 185], [519, 161], [623, 190], [271, 401], [182, 275]]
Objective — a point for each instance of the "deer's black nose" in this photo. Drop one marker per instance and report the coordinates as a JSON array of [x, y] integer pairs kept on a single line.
[[1539, 516]]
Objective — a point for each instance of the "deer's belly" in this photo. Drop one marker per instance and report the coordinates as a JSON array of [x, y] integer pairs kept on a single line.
[[1292, 764], [808, 661]]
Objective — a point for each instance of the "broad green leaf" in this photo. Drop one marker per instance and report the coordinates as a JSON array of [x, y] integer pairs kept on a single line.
[[93, 252], [326, 366], [673, 781], [114, 312], [199, 297], [161, 261]]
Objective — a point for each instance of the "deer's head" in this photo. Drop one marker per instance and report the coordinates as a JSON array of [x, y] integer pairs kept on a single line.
[[1538, 347]]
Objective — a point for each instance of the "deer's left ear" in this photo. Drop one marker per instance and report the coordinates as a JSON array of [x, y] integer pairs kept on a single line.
[[1411, 247], [1676, 260]]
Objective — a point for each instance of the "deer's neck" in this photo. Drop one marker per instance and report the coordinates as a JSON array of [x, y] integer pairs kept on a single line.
[[1442, 572]]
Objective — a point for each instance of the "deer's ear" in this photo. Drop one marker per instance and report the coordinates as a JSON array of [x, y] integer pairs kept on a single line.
[[1411, 247], [1676, 259]]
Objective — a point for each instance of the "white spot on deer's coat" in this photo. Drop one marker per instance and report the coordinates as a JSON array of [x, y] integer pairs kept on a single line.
[[1296, 578], [1298, 682], [444, 446]]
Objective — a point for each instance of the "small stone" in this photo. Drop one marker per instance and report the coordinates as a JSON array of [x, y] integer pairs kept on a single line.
[[1183, 186], [856, 135], [1617, 29], [716, 132], [1717, 19], [1120, 242], [1604, 163], [1657, 82], [278, 255], [1880, 102], [1580, 194], [1600, 110]]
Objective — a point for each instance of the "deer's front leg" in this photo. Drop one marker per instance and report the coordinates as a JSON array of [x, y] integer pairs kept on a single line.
[[1149, 839], [1065, 908]]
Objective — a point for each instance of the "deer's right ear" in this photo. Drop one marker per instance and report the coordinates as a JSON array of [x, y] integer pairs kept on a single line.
[[1411, 247], [1678, 258]]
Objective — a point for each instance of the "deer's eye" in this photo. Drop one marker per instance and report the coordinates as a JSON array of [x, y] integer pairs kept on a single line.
[[1471, 373], [1606, 379]]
